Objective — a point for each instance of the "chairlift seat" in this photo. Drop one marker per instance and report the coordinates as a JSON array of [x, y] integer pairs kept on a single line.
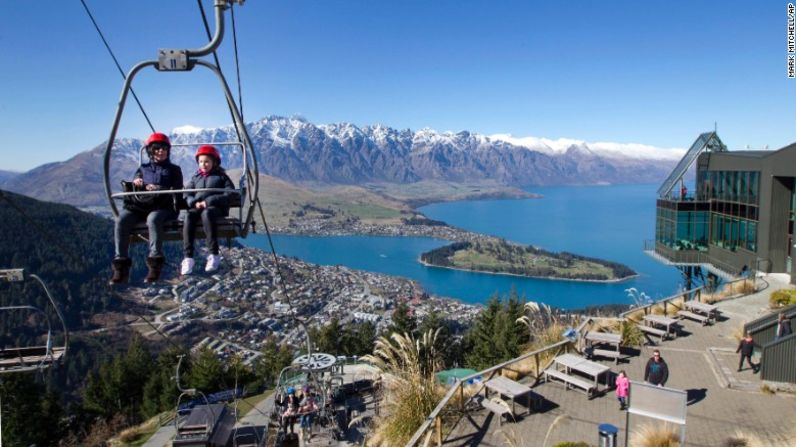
[[228, 227], [29, 357]]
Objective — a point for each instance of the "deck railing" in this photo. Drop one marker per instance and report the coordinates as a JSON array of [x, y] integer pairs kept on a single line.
[[433, 425]]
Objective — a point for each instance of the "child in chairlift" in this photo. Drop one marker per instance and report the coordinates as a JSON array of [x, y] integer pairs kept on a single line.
[[207, 206]]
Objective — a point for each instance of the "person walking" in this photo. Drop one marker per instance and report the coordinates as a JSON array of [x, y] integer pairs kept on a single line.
[[746, 347], [783, 326], [622, 387], [657, 371]]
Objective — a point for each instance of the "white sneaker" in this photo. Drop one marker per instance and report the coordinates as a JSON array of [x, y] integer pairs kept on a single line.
[[186, 268], [212, 263]]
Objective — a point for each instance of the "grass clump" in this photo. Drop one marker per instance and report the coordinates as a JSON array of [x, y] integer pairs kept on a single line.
[[411, 391], [655, 436], [782, 298], [766, 389], [745, 439], [573, 444]]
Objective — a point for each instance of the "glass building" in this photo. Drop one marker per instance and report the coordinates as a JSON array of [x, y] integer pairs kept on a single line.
[[740, 215]]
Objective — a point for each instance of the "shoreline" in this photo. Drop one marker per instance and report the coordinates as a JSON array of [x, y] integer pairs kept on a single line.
[[551, 278]]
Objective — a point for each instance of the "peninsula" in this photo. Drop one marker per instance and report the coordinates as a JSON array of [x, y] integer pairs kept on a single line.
[[502, 257]]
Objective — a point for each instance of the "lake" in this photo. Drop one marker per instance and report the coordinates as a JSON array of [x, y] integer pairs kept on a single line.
[[609, 222]]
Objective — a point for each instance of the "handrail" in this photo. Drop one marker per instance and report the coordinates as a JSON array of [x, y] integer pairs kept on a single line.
[[664, 301]]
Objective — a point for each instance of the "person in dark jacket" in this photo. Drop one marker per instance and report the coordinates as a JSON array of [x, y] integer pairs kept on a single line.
[[156, 175], [783, 326], [206, 206], [746, 347], [656, 371]]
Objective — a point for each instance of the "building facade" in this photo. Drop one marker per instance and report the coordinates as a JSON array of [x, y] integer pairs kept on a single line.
[[739, 218]]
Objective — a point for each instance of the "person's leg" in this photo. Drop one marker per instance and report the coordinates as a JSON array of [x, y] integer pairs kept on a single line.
[[209, 216], [121, 231], [740, 363], [121, 263], [154, 222], [192, 218]]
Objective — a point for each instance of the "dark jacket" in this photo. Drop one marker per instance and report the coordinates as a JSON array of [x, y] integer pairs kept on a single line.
[[166, 175], [783, 328], [656, 373], [746, 348], [216, 179]]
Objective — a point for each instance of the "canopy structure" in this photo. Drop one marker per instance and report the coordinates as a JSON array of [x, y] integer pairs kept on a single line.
[[450, 375]]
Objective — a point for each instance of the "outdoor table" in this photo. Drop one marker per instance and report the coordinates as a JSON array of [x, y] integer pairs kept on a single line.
[[660, 320], [606, 338], [706, 309], [580, 364], [510, 388]]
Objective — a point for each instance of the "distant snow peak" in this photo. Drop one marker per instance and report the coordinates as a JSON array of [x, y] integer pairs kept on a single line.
[[186, 129], [606, 149]]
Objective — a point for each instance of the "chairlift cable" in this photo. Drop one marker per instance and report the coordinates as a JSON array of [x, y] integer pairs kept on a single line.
[[118, 66], [282, 281]]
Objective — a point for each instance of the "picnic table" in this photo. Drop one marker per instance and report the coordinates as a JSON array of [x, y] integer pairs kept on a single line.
[[660, 320], [583, 366], [706, 309], [615, 340], [509, 388]]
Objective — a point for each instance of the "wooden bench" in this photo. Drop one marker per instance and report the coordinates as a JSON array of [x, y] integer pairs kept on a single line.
[[694, 316], [499, 407], [652, 331], [569, 380], [611, 354]]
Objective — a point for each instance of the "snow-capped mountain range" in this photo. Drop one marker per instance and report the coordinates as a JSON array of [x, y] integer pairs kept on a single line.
[[296, 150]]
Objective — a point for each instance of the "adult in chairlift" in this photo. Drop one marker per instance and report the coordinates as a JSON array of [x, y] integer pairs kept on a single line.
[[158, 174]]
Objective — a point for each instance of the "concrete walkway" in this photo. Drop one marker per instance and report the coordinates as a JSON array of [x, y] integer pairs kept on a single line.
[[702, 361]]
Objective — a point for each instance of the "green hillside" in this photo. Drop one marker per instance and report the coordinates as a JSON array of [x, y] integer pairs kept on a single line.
[[500, 256]]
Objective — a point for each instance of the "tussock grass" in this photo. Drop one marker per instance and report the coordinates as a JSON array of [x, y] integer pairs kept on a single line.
[[411, 391], [765, 389], [648, 435], [745, 287], [746, 439]]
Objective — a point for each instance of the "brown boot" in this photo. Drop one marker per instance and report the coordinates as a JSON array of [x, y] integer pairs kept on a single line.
[[121, 270], [155, 265]]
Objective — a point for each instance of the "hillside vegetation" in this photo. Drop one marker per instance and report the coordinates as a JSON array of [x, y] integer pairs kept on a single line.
[[500, 256]]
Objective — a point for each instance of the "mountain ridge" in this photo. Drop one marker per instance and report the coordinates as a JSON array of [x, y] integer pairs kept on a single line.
[[297, 150]]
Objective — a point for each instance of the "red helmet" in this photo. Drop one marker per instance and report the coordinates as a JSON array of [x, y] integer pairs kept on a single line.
[[158, 137], [208, 150]]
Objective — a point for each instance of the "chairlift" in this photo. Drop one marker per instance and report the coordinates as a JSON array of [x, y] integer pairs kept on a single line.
[[175, 60], [34, 356]]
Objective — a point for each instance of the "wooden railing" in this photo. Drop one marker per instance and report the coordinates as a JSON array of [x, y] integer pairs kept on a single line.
[[432, 426], [687, 295]]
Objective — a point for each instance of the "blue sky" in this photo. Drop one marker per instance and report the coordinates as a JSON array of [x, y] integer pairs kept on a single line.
[[630, 72]]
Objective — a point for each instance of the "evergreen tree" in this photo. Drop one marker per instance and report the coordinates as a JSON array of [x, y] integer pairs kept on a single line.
[[402, 321], [30, 415], [482, 351], [207, 373], [328, 338], [444, 341], [271, 363]]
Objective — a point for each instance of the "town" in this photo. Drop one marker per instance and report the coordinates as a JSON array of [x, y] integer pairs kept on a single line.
[[237, 309]]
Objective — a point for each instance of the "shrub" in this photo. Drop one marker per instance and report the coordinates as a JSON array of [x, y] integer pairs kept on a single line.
[[655, 436], [411, 391], [572, 444], [781, 298]]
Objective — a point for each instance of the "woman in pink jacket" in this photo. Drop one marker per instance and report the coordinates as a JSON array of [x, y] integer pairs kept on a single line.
[[622, 386]]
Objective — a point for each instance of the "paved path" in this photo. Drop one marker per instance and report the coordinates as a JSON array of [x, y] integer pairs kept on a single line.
[[701, 361]]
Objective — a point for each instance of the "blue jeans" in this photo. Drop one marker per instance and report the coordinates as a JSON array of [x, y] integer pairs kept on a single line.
[[129, 219]]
